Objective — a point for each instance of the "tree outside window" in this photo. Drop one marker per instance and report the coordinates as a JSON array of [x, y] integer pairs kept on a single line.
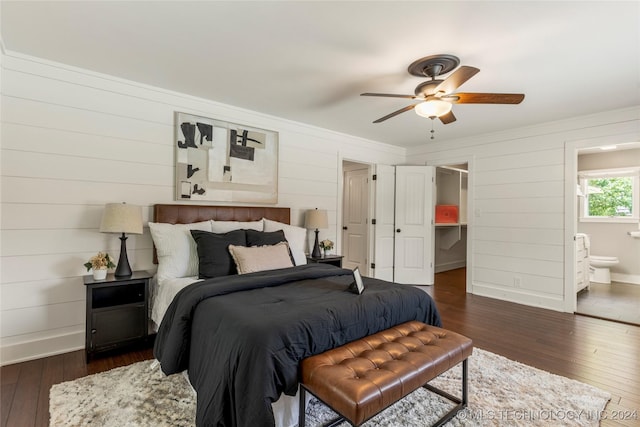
[[610, 195]]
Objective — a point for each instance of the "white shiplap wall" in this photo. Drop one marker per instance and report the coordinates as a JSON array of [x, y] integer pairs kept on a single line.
[[73, 140], [517, 223]]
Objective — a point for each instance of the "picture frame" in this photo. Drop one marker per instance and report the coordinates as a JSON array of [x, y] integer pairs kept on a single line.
[[224, 162], [357, 286]]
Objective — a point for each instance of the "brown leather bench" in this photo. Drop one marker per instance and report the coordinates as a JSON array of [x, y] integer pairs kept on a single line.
[[362, 378]]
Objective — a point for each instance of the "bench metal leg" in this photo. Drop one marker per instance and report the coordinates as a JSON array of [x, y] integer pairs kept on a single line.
[[302, 407], [461, 402], [465, 376]]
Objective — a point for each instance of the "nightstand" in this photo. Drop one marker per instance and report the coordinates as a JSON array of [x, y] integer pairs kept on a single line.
[[117, 310], [329, 259]]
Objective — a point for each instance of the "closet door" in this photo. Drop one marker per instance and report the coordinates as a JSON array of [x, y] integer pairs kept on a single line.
[[414, 228], [384, 215]]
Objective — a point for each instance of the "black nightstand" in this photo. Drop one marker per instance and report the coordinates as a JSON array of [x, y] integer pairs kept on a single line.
[[329, 259], [116, 311]]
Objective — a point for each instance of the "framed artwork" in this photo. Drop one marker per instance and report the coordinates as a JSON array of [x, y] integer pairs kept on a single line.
[[357, 286], [225, 162]]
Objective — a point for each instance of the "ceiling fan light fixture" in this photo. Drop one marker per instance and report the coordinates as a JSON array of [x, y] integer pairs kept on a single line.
[[433, 108]]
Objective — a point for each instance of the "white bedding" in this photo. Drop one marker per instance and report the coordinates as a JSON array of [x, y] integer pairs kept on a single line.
[[162, 294], [285, 409]]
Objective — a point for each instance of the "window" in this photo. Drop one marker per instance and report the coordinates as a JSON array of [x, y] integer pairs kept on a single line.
[[610, 195]]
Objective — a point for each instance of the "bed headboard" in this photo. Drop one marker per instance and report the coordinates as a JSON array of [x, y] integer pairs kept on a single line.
[[185, 214]]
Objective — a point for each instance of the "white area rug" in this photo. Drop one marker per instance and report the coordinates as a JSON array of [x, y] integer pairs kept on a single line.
[[501, 393]]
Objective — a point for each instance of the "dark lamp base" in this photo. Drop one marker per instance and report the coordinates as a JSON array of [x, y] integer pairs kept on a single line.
[[316, 247], [123, 269]]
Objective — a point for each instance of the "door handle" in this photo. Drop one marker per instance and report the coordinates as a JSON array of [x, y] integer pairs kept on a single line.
[[398, 230], [345, 227]]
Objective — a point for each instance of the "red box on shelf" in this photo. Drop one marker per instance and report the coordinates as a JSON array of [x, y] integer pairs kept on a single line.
[[446, 214]]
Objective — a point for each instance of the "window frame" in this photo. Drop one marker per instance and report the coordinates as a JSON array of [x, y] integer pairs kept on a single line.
[[584, 176]]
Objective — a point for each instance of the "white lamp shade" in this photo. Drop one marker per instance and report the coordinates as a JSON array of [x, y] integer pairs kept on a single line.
[[316, 218], [121, 218], [433, 108]]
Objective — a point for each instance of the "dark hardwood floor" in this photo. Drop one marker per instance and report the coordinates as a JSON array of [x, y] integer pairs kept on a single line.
[[598, 352]]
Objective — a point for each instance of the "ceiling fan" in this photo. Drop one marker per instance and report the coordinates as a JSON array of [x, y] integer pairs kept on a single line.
[[436, 95]]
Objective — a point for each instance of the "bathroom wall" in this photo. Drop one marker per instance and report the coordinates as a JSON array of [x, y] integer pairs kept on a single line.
[[611, 239]]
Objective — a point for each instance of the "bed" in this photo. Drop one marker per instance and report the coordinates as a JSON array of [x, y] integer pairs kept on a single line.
[[242, 336]]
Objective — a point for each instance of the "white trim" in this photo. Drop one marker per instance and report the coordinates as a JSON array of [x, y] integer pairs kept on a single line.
[[533, 299], [39, 348], [633, 173], [469, 160], [633, 279], [340, 206], [446, 266], [621, 132], [611, 219], [614, 172]]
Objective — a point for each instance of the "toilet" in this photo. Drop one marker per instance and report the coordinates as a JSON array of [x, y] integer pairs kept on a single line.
[[599, 268]]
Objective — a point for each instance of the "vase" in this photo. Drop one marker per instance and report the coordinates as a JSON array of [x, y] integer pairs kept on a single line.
[[325, 253], [100, 274]]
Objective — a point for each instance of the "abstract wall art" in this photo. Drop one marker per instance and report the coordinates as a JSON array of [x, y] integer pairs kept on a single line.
[[225, 162]]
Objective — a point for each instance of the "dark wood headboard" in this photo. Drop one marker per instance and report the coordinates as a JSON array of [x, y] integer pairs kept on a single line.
[[185, 214]]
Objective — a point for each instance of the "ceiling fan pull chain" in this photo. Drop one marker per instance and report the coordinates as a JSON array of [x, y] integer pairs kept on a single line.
[[432, 131]]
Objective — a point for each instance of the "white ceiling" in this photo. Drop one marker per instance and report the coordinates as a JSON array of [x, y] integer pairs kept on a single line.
[[309, 61]]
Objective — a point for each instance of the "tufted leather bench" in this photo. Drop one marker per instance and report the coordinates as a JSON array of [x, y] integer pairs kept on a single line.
[[362, 378]]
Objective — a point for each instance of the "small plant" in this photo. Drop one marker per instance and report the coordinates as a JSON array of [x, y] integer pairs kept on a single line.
[[99, 262], [326, 244]]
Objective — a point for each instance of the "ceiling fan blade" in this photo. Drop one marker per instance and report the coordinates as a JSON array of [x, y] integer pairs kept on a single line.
[[447, 118], [488, 98], [455, 80], [395, 113], [389, 95]]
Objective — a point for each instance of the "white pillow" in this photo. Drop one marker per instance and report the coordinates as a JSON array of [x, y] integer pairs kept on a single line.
[[260, 258], [177, 251], [226, 226], [296, 236]]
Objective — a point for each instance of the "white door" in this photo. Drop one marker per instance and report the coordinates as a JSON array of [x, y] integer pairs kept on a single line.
[[414, 229], [384, 228], [355, 219]]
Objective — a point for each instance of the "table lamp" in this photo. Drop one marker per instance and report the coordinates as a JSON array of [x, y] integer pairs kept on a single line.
[[122, 218], [316, 218]]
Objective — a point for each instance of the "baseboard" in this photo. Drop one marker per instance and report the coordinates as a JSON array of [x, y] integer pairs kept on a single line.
[[446, 266], [36, 349], [633, 279], [550, 302]]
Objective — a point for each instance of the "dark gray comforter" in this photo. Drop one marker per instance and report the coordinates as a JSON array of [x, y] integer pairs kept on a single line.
[[241, 337]]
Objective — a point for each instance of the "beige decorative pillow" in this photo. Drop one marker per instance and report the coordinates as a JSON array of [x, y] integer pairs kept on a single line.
[[260, 258], [296, 237]]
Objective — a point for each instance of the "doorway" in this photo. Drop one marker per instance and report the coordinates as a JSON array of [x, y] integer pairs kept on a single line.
[[607, 194], [383, 248], [451, 217], [453, 221]]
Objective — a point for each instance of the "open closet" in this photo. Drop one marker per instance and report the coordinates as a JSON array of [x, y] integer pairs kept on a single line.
[[451, 217]]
